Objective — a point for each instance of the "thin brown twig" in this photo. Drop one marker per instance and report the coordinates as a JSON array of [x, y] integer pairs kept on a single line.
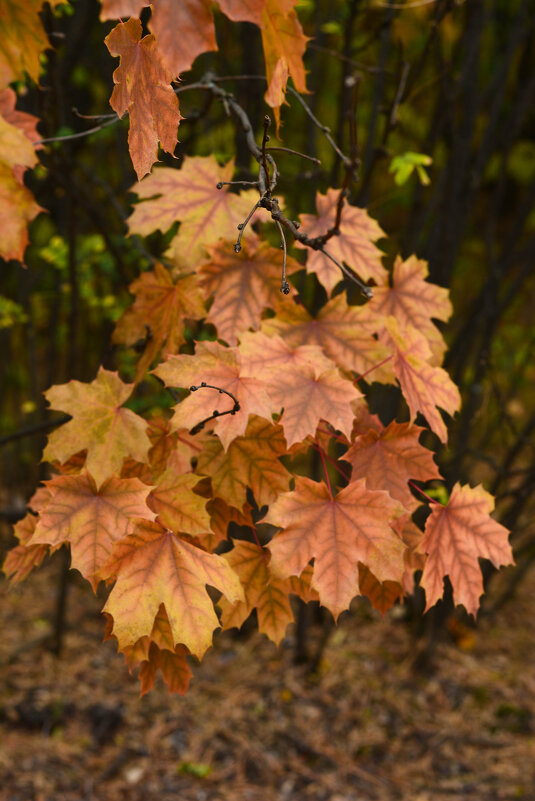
[[293, 153], [285, 286]]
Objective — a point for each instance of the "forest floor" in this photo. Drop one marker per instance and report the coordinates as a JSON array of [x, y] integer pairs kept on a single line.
[[368, 726]]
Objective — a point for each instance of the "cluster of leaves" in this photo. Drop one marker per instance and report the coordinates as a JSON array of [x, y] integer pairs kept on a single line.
[[218, 495], [148, 506]]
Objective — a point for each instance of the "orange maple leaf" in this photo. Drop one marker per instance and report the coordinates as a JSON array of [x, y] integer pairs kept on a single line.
[[214, 364], [412, 301], [381, 594], [424, 387], [250, 461], [344, 332], [177, 506], [21, 560], [153, 566], [190, 195], [17, 209], [158, 314], [243, 285], [90, 519], [387, 460], [456, 536], [284, 45], [22, 42], [337, 532], [143, 89], [354, 245], [109, 432], [263, 592], [221, 515]]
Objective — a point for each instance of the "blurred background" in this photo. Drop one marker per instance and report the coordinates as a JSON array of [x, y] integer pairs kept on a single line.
[[416, 707]]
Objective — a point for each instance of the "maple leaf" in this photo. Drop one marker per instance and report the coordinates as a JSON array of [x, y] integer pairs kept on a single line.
[[284, 45], [456, 536], [142, 88], [221, 515], [118, 9], [243, 285], [337, 532], [387, 460], [344, 332], [161, 307], [424, 387], [190, 195], [23, 39], [214, 364], [354, 245], [90, 519], [263, 592], [152, 567], [110, 433], [381, 594], [309, 392], [17, 209], [412, 301], [250, 461], [173, 666], [177, 506], [21, 560]]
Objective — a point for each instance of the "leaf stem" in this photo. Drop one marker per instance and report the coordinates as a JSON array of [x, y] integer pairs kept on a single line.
[[429, 498], [325, 471]]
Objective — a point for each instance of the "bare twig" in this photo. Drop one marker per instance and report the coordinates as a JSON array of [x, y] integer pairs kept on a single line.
[[293, 153], [285, 286], [215, 414]]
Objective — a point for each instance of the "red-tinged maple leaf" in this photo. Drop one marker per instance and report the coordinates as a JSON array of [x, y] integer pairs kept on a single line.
[[21, 560], [17, 209], [284, 46], [250, 461], [271, 358], [158, 314], [154, 566], [143, 89], [171, 449], [263, 592], [387, 460], [190, 195], [311, 395], [343, 331], [16, 150], [412, 301], [22, 42], [214, 364], [243, 285], [424, 387], [90, 520], [381, 594], [354, 245], [456, 536], [109, 432], [192, 20], [177, 506], [337, 532]]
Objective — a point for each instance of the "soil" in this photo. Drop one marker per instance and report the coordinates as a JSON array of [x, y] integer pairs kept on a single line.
[[369, 725]]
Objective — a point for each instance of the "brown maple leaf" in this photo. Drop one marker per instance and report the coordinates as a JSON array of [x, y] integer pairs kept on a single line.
[[143, 89], [190, 195], [221, 367], [153, 566], [337, 532], [387, 460], [456, 536], [354, 245], [267, 594], [243, 285], [17, 209], [22, 42], [21, 560], [250, 461], [424, 387], [90, 519], [109, 432], [158, 314]]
